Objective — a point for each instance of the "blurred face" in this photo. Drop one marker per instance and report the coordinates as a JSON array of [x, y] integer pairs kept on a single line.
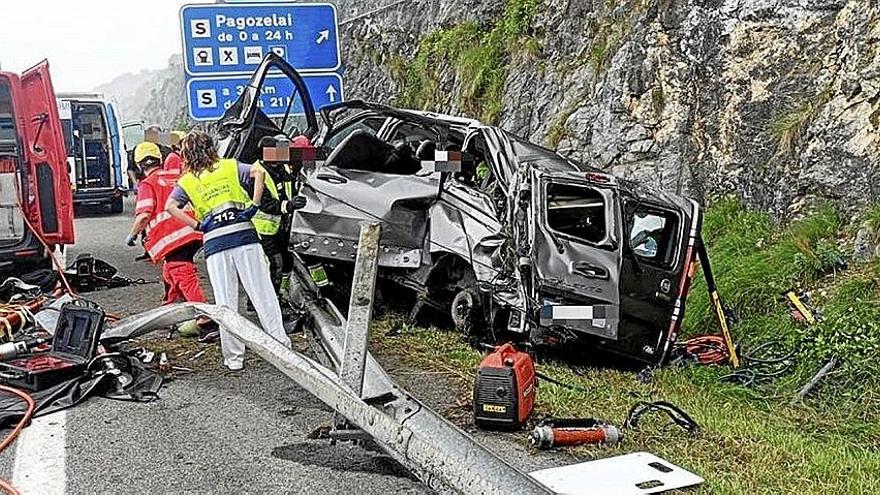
[[280, 153]]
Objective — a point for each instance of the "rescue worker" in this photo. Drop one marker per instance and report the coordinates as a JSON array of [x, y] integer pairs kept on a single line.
[[223, 211], [173, 162], [272, 221], [169, 241]]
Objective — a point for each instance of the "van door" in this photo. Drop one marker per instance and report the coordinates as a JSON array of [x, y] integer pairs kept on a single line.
[[12, 226], [48, 192], [658, 251], [576, 261], [364, 179], [118, 153]]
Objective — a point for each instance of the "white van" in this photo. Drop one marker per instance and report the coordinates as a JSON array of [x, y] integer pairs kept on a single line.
[[96, 154]]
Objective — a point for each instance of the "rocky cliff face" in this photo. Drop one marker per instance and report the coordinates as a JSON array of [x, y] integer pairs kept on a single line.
[[777, 101]]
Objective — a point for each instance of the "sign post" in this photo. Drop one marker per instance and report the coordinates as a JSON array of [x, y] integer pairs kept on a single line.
[[224, 43]]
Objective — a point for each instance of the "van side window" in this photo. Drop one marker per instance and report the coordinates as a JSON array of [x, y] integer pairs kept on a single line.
[[576, 211], [652, 235]]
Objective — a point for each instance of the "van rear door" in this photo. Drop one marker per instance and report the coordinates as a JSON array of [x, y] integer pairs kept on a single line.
[[659, 237], [120, 160], [48, 193], [576, 260]]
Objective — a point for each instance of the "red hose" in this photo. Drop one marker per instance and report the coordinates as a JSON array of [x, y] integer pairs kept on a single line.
[[24, 421]]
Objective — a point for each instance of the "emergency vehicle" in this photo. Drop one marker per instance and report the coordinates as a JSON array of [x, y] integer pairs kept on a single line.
[[36, 203], [96, 153]]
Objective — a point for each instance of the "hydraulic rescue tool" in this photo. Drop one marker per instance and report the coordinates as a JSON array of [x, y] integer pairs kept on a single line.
[[552, 433], [11, 350]]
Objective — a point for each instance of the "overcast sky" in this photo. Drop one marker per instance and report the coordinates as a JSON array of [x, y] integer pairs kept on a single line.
[[89, 42]]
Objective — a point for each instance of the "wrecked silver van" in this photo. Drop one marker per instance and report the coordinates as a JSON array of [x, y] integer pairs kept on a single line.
[[511, 239]]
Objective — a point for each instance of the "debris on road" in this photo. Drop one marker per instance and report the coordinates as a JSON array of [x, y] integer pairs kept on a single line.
[[75, 366], [88, 274], [198, 355]]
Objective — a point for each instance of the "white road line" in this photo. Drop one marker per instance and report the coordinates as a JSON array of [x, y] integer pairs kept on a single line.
[[40, 456]]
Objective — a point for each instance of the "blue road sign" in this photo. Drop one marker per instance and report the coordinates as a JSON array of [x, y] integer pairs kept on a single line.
[[209, 97], [233, 38]]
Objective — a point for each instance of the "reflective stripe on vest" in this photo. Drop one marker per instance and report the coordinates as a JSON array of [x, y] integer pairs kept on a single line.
[[231, 205], [165, 234], [265, 223], [228, 229], [185, 233], [217, 191]]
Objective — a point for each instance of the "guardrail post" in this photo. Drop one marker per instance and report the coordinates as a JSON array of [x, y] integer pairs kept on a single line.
[[360, 308]]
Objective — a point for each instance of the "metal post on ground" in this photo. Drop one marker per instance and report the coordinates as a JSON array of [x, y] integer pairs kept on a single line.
[[433, 449], [360, 312]]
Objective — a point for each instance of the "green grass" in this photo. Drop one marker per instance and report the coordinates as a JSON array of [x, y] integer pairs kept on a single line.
[[753, 440], [558, 130], [872, 218], [479, 58], [747, 445]]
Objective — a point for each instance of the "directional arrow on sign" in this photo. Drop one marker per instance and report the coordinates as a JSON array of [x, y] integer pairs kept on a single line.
[[322, 37], [331, 93]]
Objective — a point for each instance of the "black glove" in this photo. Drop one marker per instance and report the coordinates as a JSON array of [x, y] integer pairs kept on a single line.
[[296, 203], [271, 206]]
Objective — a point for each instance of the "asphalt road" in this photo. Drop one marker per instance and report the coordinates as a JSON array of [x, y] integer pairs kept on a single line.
[[211, 431]]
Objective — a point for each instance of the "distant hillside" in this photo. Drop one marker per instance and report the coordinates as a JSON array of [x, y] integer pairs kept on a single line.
[[154, 96]]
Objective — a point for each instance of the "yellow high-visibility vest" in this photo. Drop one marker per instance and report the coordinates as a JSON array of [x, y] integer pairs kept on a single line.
[[265, 223], [216, 189]]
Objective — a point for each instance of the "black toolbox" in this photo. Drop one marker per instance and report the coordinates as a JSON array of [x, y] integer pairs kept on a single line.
[[73, 347]]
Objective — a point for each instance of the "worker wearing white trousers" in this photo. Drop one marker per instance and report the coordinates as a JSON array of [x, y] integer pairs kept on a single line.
[[216, 190], [248, 264]]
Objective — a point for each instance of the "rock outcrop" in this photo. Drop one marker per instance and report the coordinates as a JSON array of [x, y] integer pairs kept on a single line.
[[776, 101]]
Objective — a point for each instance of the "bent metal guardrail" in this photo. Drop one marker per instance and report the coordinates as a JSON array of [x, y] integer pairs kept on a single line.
[[441, 455]]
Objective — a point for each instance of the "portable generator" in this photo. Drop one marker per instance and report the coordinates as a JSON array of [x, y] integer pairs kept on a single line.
[[504, 390]]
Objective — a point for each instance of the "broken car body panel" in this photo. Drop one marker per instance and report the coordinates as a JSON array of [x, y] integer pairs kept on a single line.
[[529, 241]]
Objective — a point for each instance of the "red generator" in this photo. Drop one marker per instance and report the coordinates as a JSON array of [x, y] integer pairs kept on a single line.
[[504, 390]]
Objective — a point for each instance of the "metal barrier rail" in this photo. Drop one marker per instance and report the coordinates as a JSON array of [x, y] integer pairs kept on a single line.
[[433, 449]]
